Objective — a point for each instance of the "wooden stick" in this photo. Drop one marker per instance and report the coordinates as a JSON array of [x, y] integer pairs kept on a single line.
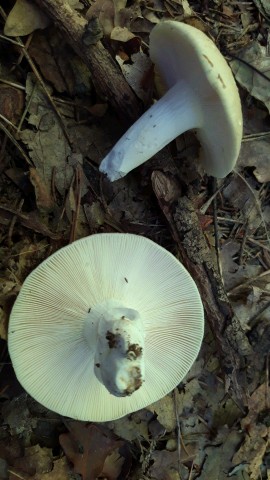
[[231, 340], [106, 74]]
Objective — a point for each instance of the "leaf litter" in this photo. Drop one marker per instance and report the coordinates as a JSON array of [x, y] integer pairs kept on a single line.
[[85, 443], [198, 431]]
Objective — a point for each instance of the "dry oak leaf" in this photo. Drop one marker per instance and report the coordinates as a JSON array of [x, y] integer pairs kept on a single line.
[[87, 447]]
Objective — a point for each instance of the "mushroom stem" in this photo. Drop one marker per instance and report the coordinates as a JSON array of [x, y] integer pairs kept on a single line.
[[119, 361], [176, 112]]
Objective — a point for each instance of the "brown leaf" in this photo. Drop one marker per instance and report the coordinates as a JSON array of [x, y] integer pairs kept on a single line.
[[87, 447], [54, 60], [36, 459], [60, 471], [11, 102], [113, 466], [253, 450], [44, 200]]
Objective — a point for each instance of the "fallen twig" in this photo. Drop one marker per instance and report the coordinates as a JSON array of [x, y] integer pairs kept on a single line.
[[106, 75], [231, 340]]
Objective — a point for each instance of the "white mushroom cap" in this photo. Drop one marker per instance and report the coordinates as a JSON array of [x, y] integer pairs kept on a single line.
[[202, 95], [106, 300]]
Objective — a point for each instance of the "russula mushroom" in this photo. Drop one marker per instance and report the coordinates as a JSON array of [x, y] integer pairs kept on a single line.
[[105, 326], [201, 95]]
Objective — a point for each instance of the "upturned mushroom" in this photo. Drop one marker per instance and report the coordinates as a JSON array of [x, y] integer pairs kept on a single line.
[[201, 95], [105, 326]]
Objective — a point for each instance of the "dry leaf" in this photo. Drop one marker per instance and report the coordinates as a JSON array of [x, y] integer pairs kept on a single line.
[[253, 450], [36, 459], [44, 200], [234, 274], [132, 427], [165, 465], [113, 466], [256, 154], [218, 461], [54, 60], [11, 103], [104, 11], [87, 447], [264, 8], [121, 34], [60, 471], [188, 12], [135, 73], [95, 215], [75, 4], [24, 18], [165, 410], [51, 154], [48, 146], [254, 55], [257, 433]]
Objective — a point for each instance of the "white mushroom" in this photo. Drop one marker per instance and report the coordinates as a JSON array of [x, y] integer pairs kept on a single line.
[[105, 326], [202, 95]]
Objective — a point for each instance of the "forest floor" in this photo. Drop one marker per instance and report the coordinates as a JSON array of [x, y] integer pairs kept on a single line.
[[55, 128]]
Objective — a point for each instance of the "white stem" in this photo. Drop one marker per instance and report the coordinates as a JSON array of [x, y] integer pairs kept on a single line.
[[176, 112], [119, 358]]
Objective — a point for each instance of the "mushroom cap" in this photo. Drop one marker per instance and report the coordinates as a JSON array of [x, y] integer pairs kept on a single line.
[[51, 356], [182, 52]]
